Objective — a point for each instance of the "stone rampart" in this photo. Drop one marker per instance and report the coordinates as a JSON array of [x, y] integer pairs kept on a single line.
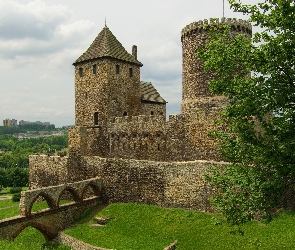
[[168, 184], [47, 170]]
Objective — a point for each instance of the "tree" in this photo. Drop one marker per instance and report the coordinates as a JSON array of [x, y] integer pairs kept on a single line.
[[259, 120]]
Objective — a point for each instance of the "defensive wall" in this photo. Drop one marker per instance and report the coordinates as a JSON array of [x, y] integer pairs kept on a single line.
[[167, 184], [183, 137]]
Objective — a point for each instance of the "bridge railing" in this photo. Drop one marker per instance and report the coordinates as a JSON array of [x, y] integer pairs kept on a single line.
[[53, 194]]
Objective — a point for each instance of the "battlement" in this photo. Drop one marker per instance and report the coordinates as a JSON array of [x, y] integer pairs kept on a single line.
[[137, 119], [137, 124], [176, 118], [52, 158], [200, 26]]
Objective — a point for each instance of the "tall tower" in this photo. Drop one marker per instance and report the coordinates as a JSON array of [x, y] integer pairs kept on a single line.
[[107, 81], [195, 88], [199, 106]]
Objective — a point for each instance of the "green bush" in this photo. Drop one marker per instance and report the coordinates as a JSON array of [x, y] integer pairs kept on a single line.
[[15, 190], [16, 197]]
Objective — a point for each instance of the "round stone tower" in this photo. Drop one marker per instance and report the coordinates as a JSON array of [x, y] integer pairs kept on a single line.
[[195, 88]]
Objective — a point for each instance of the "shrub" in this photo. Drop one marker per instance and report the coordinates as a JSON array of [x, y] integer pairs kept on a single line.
[[15, 190], [16, 197]]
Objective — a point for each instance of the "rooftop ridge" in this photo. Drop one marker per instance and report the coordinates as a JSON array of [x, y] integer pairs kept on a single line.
[[236, 24], [106, 45]]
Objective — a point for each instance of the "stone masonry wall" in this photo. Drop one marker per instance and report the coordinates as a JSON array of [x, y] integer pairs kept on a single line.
[[168, 184], [157, 108], [47, 171], [106, 92]]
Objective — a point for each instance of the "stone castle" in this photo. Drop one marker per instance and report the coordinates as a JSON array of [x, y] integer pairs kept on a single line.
[[121, 133]]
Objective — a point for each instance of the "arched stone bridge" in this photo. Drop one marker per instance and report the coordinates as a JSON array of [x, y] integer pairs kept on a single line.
[[57, 217]]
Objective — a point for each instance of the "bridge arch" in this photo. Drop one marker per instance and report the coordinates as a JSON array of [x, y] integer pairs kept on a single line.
[[41, 228], [93, 186], [50, 202], [73, 193]]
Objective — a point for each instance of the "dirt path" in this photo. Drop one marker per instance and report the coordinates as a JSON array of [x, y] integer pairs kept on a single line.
[[5, 198]]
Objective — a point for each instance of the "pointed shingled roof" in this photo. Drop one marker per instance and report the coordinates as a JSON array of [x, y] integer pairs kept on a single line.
[[149, 93], [107, 45]]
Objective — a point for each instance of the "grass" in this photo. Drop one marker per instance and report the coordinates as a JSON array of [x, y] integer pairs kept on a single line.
[[30, 239], [143, 227]]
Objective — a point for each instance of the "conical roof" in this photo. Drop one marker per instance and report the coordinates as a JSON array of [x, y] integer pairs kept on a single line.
[[106, 45]]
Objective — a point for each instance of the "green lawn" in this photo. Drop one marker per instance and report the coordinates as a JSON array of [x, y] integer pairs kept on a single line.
[[143, 227], [30, 239], [134, 227]]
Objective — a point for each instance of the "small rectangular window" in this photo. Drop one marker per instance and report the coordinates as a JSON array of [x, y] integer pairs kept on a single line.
[[117, 69], [130, 72], [80, 72], [94, 68]]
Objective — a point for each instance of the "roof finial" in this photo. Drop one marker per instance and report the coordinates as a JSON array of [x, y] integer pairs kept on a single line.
[[105, 21]]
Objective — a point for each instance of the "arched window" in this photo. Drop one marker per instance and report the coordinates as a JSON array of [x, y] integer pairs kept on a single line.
[[125, 113], [117, 69], [152, 113], [130, 72], [95, 118]]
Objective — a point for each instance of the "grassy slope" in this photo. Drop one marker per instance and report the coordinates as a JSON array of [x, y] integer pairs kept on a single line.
[[149, 227], [29, 239]]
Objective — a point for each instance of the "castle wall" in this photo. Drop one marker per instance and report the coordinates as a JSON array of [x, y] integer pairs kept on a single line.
[[47, 171], [151, 108], [138, 137], [168, 184]]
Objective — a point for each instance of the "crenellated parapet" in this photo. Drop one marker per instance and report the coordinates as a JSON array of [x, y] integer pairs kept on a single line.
[[238, 25], [141, 123]]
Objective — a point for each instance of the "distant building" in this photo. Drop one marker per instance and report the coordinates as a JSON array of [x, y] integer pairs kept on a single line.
[[9, 123], [22, 122]]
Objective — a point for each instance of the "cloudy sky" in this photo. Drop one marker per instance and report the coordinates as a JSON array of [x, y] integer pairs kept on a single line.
[[39, 41]]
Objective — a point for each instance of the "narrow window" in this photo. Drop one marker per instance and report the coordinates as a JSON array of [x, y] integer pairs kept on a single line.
[[96, 118], [94, 68], [130, 72], [80, 72], [117, 69], [158, 147], [152, 113], [125, 113]]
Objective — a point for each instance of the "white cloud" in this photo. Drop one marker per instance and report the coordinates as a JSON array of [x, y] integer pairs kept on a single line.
[[38, 29]]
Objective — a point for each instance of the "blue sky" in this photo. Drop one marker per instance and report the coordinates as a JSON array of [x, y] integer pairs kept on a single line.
[[39, 41]]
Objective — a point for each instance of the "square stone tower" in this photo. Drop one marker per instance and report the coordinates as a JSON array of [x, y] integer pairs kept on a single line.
[[107, 81]]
